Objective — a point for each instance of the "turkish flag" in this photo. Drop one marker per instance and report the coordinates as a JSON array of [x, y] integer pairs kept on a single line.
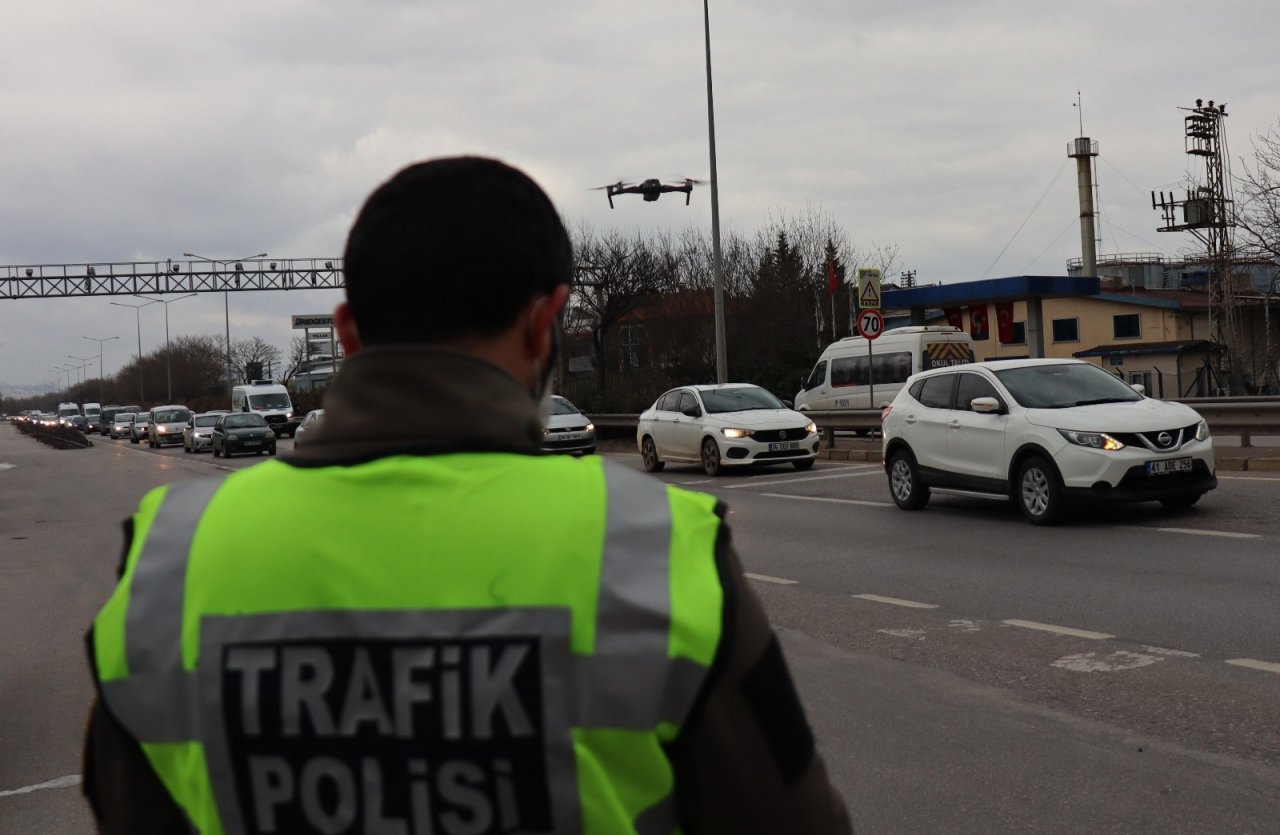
[[833, 283], [954, 317], [1004, 321], [978, 323]]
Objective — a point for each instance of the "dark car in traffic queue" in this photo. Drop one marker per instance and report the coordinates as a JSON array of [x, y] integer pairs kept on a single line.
[[242, 432]]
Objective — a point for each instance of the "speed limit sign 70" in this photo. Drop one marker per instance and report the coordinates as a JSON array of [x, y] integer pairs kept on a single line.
[[870, 323]]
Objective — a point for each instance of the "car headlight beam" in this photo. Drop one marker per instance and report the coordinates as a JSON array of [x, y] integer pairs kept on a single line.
[[1092, 440], [736, 433]]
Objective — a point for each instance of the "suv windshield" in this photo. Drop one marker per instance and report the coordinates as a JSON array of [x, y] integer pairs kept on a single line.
[[1063, 386], [269, 401], [244, 421], [742, 399]]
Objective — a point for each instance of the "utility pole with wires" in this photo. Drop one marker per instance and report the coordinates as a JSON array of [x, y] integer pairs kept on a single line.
[[1208, 213]]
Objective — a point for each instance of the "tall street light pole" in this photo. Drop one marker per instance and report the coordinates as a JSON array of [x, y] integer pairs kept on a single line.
[[226, 304], [84, 363], [137, 308], [168, 352], [717, 269], [100, 341]]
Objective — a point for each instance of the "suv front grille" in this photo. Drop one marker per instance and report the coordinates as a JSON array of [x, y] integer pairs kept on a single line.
[[1159, 440]]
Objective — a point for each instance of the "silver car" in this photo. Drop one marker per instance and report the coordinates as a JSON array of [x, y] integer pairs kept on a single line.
[[197, 435], [567, 429], [311, 421], [138, 429]]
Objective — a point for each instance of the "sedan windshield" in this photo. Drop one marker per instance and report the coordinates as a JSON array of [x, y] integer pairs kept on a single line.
[[206, 420], [560, 406], [1063, 386], [742, 399]]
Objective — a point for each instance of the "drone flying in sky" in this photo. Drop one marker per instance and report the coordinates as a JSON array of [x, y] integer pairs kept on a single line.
[[652, 189]]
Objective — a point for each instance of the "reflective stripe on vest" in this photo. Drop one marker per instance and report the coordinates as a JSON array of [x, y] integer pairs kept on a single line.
[[161, 701]]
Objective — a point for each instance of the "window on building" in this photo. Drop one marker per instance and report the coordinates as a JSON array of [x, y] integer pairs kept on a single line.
[[1019, 334], [1066, 330], [1126, 326]]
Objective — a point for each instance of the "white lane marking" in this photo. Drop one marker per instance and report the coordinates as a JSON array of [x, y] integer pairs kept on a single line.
[[895, 601], [701, 481], [965, 625], [56, 783], [1177, 652], [4, 466], [1091, 662], [1059, 630], [862, 502], [765, 578], [1226, 534], [802, 480], [1265, 666], [1247, 478]]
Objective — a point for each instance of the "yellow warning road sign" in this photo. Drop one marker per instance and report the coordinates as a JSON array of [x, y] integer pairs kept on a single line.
[[868, 288]]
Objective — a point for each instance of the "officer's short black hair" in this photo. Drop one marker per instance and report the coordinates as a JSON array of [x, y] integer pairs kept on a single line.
[[450, 248]]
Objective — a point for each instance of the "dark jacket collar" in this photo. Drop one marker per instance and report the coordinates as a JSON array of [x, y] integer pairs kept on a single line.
[[389, 400]]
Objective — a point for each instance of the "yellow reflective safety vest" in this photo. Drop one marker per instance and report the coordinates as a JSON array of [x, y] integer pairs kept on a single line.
[[462, 643]]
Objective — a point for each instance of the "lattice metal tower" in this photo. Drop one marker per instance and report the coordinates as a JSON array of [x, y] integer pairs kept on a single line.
[[1208, 212]]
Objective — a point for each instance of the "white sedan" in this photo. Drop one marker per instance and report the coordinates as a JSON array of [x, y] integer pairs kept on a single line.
[[727, 425]]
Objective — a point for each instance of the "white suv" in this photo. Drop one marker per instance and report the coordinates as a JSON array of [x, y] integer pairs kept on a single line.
[[1045, 433]]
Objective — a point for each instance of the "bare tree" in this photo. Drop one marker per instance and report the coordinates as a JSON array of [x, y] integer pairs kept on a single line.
[[1258, 214], [254, 353], [298, 359]]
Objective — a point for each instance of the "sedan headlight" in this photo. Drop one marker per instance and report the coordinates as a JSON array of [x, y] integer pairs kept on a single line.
[[811, 428], [1093, 440], [591, 427], [1202, 431], [736, 433]]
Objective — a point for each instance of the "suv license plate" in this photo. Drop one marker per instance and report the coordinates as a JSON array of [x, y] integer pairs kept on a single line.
[[1172, 465], [784, 445]]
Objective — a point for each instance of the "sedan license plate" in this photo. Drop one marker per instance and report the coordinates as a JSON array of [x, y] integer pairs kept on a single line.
[[1171, 465], [252, 443], [784, 445], [570, 436]]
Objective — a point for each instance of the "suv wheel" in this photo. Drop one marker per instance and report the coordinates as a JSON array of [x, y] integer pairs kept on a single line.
[[650, 455], [1040, 492], [908, 491], [711, 457]]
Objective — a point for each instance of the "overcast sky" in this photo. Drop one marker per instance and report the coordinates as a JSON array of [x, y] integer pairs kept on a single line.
[[141, 130]]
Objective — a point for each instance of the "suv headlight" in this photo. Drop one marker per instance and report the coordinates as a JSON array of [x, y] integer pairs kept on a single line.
[[1093, 440], [1202, 431], [736, 433]]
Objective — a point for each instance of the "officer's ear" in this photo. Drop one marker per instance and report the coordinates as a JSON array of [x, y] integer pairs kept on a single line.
[[543, 312], [345, 324]]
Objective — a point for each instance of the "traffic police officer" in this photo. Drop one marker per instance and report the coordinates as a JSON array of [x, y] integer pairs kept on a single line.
[[417, 624]]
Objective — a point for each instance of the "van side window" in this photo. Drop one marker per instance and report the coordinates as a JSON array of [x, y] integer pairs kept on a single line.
[[894, 367], [817, 376], [936, 391], [848, 371], [971, 386]]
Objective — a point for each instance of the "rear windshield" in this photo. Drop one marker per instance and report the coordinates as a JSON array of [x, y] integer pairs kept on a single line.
[[173, 416], [243, 421]]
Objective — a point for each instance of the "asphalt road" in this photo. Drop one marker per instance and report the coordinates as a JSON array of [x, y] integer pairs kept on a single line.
[[919, 642]]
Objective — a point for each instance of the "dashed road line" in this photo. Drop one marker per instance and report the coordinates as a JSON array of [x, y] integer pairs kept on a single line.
[[1178, 652], [894, 601], [56, 783], [765, 578], [1225, 534], [1248, 478], [1059, 630], [829, 500], [4, 466], [1264, 666]]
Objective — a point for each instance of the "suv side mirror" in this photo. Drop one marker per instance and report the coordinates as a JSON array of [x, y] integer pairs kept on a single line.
[[986, 405]]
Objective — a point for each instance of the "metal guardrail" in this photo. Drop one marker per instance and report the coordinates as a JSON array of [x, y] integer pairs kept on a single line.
[[1247, 416]]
